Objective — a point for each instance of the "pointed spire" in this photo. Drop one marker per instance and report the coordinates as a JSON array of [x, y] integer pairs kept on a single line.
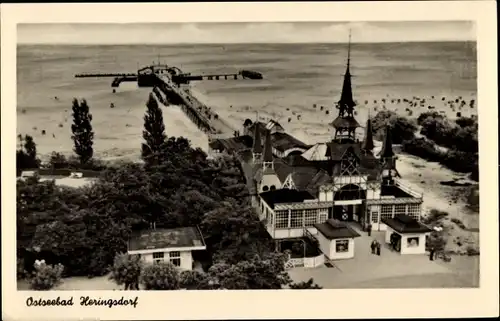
[[368, 141], [257, 143], [268, 149], [346, 102], [387, 151]]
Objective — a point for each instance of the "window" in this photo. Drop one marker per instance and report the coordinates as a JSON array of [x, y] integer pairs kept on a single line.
[[297, 218], [282, 219], [375, 217], [265, 188], [400, 209], [342, 246], [273, 188], [414, 211], [386, 211], [413, 241], [175, 258], [158, 257], [310, 217], [323, 215]]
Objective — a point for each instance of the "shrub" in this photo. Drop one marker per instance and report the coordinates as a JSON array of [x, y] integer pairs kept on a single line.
[[473, 197], [472, 250], [458, 222], [423, 148], [434, 216], [160, 276], [191, 279], [58, 160], [21, 272], [428, 114], [401, 128], [305, 285], [126, 270], [45, 276], [436, 240]]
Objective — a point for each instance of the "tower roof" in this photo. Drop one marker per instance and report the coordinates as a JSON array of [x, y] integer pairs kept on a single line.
[[346, 101], [368, 141], [387, 151], [268, 151], [257, 143]]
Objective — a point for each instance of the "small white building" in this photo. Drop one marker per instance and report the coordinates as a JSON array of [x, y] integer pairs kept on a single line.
[[168, 245], [336, 239], [406, 234]]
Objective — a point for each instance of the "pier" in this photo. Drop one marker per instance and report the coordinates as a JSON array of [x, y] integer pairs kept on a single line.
[[200, 114]]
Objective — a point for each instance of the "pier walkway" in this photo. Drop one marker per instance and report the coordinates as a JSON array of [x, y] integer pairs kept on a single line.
[[200, 114]]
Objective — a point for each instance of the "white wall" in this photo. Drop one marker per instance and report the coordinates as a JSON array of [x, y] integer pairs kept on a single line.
[[328, 248], [420, 249], [342, 255], [269, 180], [186, 259]]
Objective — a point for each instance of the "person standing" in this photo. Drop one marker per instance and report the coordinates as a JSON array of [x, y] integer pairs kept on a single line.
[[373, 246], [369, 229], [431, 254], [378, 248]]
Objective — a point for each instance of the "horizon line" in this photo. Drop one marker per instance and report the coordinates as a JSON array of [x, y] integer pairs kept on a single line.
[[238, 43]]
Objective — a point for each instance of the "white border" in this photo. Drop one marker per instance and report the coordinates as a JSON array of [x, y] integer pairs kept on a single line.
[[281, 303]]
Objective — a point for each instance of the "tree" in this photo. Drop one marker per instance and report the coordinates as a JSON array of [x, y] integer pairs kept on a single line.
[[160, 276], [58, 160], [26, 157], [154, 131], [126, 270], [401, 128], [83, 136], [46, 276], [267, 272], [305, 285]]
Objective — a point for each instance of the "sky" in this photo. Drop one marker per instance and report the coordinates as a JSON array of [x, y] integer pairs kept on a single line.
[[292, 32]]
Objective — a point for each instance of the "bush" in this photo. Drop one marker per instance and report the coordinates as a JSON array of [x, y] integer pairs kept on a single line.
[[460, 135], [126, 270], [305, 285], [401, 128], [434, 216], [45, 276], [160, 276], [58, 160], [436, 240], [21, 272], [422, 148], [459, 223], [191, 279], [428, 114], [472, 250]]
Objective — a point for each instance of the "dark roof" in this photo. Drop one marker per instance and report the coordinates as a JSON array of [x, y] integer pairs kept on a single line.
[[285, 195], [257, 143], [282, 170], [403, 223], [336, 150], [166, 238], [387, 151], [268, 151], [283, 141], [346, 95], [302, 176], [333, 229], [261, 126], [368, 140], [321, 178], [297, 160], [233, 144], [393, 190], [345, 122]]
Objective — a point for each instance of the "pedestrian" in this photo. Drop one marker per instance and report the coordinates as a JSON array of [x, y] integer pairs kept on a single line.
[[373, 246], [378, 248], [369, 229], [431, 254]]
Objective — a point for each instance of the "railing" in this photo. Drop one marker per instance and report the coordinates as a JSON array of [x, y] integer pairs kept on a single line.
[[408, 189], [295, 262]]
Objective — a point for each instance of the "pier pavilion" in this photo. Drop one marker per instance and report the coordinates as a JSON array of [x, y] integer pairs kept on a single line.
[[298, 187]]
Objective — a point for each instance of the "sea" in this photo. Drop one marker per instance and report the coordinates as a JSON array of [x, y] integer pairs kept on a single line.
[[302, 83]]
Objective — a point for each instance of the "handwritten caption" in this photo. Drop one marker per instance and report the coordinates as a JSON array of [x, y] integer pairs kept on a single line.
[[84, 301]]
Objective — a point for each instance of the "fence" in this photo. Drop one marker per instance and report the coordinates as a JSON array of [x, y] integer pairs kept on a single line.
[[307, 262]]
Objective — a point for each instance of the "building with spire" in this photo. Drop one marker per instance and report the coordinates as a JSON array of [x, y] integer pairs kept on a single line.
[[318, 191]]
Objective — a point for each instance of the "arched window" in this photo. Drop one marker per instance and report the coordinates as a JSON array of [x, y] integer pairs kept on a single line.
[[273, 187], [265, 188]]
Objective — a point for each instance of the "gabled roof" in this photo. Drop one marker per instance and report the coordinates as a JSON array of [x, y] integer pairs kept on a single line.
[[285, 195], [283, 142], [233, 144], [321, 178], [387, 151], [337, 150], [317, 152], [166, 238], [333, 229], [403, 223]]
